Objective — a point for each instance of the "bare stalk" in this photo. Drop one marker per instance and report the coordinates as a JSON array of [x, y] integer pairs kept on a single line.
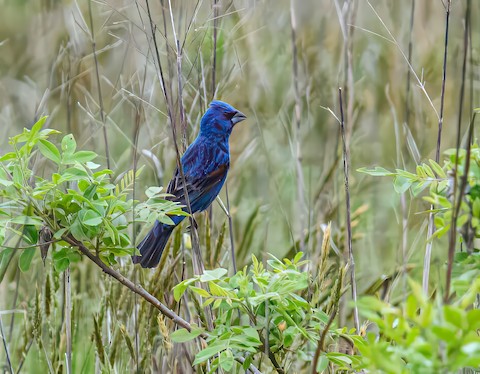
[[5, 346], [403, 198], [195, 243], [444, 78], [456, 208], [297, 117], [409, 57], [214, 59], [455, 205], [230, 228], [431, 226], [136, 132], [346, 163], [97, 75]]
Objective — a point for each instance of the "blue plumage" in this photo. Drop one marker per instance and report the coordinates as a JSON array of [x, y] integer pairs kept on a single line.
[[205, 165]]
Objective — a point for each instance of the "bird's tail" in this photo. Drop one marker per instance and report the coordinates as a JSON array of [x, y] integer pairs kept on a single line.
[[151, 247]]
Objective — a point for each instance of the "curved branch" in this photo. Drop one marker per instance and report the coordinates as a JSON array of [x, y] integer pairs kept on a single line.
[[141, 292], [132, 286]]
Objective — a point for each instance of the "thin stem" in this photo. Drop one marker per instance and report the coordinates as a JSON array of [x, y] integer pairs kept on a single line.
[[136, 132], [410, 48], [444, 78], [230, 228], [24, 355], [198, 267], [321, 341], [346, 163], [403, 198], [455, 206], [97, 75], [14, 302], [68, 318], [297, 116], [5, 346], [180, 97], [214, 59]]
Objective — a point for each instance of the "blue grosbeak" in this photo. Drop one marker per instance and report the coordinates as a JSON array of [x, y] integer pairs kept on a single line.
[[205, 165]]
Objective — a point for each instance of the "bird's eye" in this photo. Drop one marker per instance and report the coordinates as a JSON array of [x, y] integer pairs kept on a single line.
[[229, 115]]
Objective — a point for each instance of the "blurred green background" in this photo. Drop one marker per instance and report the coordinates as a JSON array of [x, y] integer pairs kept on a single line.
[[48, 67]]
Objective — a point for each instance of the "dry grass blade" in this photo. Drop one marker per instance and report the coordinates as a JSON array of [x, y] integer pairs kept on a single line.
[[351, 260]]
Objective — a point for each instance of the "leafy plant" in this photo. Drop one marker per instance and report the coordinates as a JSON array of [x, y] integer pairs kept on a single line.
[[72, 200], [440, 183], [265, 310], [421, 335]]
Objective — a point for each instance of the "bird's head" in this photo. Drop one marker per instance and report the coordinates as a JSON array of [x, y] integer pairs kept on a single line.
[[220, 118]]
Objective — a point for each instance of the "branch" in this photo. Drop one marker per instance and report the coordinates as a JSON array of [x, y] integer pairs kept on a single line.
[[129, 284], [141, 292]]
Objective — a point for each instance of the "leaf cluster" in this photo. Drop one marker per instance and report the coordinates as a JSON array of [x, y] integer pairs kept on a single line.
[[74, 198]]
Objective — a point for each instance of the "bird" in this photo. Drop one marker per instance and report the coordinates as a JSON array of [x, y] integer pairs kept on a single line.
[[205, 165]]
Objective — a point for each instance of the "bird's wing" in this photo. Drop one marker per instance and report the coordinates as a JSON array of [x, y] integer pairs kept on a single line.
[[202, 189]]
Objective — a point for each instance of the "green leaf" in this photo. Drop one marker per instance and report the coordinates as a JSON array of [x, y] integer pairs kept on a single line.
[[473, 318], [376, 171], [183, 335], [208, 352], [77, 231], [153, 191], [90, 218], [49, 150], [26, 259], [226, 360], [428, 170], [59, 233], [180, 288], [30, 234], [8, 156], [444, 333], [418, 187], [322, 363], [80, 156], [210, 275], [5, 258], [4, 178], [93, 165], [476, 208], [37, 126], [17, 175], [437, 169], [27, 220], [68, 144], [455, 316], [84, 156], [401, 184], [61, 264], [72, 174], [200, 291]]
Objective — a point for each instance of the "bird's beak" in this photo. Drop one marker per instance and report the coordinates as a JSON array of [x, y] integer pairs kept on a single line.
[[238, 117]]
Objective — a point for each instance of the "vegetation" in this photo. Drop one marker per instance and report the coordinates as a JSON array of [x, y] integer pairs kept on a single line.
[[312, 261]]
